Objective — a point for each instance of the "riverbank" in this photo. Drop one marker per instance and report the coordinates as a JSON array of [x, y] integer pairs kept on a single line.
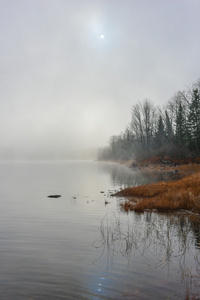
[[162, 166], [181, 195]]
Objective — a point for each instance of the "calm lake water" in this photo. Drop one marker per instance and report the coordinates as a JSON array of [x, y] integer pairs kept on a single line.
[[82, 246]]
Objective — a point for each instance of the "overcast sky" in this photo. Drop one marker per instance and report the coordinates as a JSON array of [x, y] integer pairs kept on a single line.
[[63, 87]]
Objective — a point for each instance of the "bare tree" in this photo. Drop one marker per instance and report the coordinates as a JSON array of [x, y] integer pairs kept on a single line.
[[143, 124]]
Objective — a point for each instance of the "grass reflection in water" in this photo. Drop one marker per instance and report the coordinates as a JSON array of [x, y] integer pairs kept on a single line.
[[162, 241]]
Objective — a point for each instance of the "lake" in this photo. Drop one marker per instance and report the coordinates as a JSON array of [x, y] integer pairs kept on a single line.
[[82, 245]]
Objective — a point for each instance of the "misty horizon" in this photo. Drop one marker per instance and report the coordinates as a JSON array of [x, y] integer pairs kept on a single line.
[[72, 70], [83, 154]]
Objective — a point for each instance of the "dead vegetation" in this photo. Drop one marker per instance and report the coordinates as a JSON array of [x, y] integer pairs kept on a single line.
[[157, 160], [183, 194]]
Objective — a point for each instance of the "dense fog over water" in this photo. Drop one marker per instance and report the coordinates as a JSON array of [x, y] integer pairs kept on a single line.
[[71, 70]]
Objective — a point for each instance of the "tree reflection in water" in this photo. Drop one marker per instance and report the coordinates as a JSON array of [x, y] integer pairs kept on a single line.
[[126, 177], [159, 239]]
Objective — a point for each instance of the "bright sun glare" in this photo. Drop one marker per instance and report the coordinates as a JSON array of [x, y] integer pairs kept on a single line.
[[102, 36]]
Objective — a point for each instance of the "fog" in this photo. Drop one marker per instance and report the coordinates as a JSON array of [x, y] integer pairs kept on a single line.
[[65, 90]]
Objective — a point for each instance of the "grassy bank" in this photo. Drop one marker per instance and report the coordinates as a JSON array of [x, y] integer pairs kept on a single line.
[[183, 194]]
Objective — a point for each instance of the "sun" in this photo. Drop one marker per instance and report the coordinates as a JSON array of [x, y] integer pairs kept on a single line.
[[102, 36]]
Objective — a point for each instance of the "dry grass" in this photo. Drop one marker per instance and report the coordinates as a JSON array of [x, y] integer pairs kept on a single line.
[[190, 167], [169, 160], [161, 167], [165, 196]]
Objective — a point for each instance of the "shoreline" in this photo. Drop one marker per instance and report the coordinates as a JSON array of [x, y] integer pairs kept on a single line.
[[150, 167], [182, 195]]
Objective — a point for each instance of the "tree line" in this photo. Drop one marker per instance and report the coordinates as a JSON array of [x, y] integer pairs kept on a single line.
[[172, 131]]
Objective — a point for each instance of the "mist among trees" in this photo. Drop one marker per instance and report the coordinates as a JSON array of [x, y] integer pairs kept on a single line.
[[172, 131]]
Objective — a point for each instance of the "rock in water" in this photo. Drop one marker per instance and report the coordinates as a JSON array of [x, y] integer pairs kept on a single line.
[[54, 196]]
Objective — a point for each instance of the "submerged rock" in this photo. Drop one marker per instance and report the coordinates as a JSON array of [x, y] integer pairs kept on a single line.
[[54, 196]]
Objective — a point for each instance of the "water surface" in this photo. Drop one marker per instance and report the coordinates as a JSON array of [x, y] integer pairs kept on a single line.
[[82, 246]]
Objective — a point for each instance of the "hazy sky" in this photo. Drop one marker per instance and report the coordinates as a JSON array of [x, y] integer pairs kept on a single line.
[[63, 87]]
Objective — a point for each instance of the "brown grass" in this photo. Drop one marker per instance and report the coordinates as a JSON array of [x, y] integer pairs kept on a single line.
[[165, 196], [167, 159], [161, 167], [190, 167]]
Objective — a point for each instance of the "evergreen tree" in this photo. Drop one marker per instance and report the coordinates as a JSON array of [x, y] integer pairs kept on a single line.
[[169, 129], [160, 134], [194, 121], [180, 136]]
